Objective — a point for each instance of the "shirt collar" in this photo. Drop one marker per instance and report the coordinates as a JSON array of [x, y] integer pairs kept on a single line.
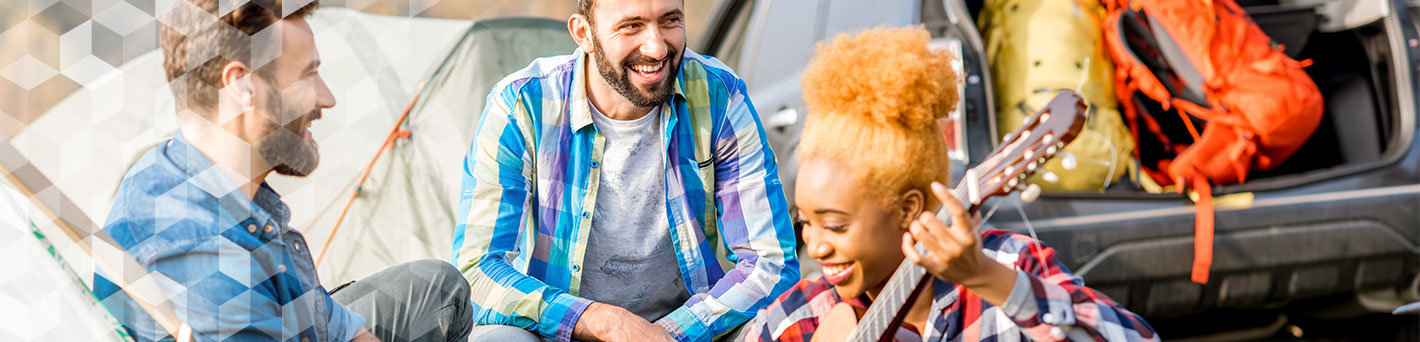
[[581, 104], [195, 166]]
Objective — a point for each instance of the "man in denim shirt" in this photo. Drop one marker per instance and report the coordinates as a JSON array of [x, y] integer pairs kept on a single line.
[[197, 213]]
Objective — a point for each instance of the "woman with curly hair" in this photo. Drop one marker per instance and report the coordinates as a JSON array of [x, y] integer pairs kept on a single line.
[[870, 159]]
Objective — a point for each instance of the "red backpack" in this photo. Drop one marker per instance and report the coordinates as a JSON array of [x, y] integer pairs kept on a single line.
[[1214, 97]]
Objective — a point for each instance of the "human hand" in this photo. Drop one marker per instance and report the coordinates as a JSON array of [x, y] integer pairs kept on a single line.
[[954, 253], [364, 336], [606, 322]]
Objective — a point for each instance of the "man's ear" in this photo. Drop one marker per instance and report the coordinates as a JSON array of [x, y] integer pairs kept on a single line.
[[581, 29], [910, 206], [236, 82]]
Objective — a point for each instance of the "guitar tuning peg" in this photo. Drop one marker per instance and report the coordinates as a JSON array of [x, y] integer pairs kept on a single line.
[[1067, 160], [1050, 177], [1031, 193]]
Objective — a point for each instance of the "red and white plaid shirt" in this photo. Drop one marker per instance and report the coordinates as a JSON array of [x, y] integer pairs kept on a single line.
[[1048, 303]]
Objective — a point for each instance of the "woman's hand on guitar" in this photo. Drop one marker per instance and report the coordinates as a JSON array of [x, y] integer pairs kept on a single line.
[[954, 253]]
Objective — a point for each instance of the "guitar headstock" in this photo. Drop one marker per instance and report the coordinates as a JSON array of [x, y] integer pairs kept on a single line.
[[1025, 151]]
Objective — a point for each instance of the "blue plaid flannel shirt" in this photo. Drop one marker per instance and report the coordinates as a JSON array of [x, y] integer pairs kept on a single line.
[[530, 183]]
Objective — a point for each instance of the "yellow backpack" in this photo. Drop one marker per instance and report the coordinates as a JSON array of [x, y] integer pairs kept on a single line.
[[1036, 47]]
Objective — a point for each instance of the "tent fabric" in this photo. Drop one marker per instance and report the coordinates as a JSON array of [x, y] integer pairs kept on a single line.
[[407, 207]]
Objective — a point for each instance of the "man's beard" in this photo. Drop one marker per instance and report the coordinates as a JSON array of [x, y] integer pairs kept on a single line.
[[285, 147], [616, 76]]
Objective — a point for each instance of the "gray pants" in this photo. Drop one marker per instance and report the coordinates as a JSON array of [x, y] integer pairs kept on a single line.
[[424, 300], [507, 333], [502, 333]]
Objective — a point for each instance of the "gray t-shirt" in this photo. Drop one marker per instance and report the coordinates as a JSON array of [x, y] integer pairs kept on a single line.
[[630, 260]]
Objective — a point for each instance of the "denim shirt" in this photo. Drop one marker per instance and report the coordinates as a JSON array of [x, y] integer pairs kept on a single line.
[[232, 266]]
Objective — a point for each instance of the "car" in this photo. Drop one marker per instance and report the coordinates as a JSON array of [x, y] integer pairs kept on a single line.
[[1330, 233]]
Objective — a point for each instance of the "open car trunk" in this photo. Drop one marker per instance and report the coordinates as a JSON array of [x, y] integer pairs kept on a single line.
[[1353, 67], [1337, 219]]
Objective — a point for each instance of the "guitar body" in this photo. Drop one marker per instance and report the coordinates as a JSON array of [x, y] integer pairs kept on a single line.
[[838, 324]]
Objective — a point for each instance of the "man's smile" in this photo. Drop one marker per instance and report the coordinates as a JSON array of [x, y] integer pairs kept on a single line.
[[649, 73]]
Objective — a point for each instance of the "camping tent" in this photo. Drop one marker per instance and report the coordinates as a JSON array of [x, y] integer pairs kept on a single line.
[[374, 65], [406, 209]]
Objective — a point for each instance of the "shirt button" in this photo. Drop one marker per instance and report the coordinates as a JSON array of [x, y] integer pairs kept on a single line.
[[586, 214], [251, 228], [281, 268], [594, 164], [1047, 318], [268, 228], [576, 268], [1057, 333]]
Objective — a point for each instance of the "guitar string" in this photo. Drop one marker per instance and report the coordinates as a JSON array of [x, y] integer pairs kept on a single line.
[[1113, 156], [1034, 240]]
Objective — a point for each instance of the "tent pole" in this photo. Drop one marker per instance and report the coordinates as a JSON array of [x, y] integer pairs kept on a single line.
[[394, 133]]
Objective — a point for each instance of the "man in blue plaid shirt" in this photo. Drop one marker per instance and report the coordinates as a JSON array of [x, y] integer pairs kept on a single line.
[[198, 215], [623, 192]]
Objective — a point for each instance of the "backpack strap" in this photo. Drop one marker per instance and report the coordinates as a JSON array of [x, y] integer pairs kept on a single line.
[[1202, 229]]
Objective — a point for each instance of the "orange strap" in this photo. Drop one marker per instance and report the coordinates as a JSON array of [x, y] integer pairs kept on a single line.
[[1202, 230], [395, 133], [1188, 123]]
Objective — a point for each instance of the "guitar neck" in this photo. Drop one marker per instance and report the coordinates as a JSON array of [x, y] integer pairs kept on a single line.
[[905, 286]]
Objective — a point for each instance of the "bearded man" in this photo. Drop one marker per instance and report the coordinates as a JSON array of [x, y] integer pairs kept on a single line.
[[197, 214], [624, 192]]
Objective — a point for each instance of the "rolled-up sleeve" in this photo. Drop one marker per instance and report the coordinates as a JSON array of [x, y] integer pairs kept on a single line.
[[343, 323], [1051, 304]]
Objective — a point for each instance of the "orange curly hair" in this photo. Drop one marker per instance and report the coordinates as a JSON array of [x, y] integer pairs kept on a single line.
[[874, 100]]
